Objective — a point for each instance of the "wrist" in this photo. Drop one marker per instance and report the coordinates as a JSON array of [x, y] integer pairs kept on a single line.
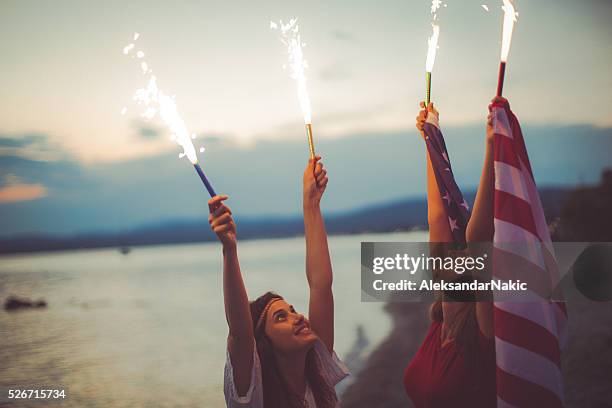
[[229, 248], [311, 206]]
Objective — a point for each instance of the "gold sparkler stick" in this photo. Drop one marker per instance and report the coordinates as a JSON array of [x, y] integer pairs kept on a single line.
[[431, 57], [428, 92], [291, 38], [310, 141]]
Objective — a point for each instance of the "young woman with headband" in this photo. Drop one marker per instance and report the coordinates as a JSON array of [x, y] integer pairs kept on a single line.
[[276, 357]]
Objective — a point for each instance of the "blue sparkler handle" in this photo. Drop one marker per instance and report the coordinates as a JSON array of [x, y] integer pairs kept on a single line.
[[207, 184]]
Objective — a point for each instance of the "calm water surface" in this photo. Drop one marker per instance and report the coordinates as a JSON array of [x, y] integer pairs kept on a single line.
[[147, 328]]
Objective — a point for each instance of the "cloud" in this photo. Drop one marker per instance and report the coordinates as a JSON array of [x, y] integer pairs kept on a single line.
[[15, 190], [22, 141], [343, 36], [334, 73], [148, 132], [213, 138], [35, 146], [113, 196]]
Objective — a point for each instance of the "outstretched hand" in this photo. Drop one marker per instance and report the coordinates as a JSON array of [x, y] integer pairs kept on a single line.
[[499, 101], [423, 113], [315, 182], [221, 221], [496, 101]]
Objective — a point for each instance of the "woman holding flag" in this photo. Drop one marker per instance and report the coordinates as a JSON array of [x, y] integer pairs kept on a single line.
[[276, 357], [455, 365]]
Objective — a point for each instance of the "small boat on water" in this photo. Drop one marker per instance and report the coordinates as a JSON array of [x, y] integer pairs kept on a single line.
[[125, 250]]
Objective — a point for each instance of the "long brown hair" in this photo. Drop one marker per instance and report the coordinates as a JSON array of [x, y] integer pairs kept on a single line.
[[275, 390]]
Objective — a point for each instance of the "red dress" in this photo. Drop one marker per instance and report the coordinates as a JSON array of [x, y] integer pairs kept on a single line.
[[438, 376]]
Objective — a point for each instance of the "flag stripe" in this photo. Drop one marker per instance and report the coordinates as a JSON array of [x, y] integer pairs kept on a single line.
[[509, 179], [512, 233], [508, 266], [538, 211], [501, 126], [515, 211], [527, 335], [514, 390], [520, 242], [540, 340], [542, 316], [504, 152], [528, 365]]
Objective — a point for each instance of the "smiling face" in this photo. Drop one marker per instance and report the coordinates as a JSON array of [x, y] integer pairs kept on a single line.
[[288, 330]]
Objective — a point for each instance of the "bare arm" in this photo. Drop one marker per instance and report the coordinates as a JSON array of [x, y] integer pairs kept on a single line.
[[480, 227], [240, 340], [318, 263]]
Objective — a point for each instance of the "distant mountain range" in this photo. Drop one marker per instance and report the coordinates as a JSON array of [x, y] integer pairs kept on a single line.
[[399, 215]]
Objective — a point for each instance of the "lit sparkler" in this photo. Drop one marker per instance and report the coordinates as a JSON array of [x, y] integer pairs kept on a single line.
[[510, 17], [156, 102], [290, 36], [431, 58], [432, 47]]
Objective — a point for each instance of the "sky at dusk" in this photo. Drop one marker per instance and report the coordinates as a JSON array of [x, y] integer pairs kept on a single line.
[[70, 161]]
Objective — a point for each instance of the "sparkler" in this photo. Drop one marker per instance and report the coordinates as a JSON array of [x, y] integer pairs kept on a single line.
[[159, 103], [432, 47], [431, 58], [290, 36], [510, 17]]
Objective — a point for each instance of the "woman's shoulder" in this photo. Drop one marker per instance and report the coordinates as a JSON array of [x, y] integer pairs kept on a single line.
[[254, 396], [333, 369]]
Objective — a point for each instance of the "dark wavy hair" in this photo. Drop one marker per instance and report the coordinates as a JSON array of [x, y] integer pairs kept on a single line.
[[275, 390]]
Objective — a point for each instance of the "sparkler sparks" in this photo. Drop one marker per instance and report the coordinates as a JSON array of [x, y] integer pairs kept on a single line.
[[435, 5], [128, 48], [156, 102], [290, 36], [432, 47], [510, 17], [432, 42]]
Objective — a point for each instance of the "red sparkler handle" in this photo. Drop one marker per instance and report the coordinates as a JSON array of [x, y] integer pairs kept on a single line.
[[500, 78]]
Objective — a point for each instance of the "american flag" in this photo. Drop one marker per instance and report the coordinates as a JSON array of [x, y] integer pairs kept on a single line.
[[457, 209], [528, 334]]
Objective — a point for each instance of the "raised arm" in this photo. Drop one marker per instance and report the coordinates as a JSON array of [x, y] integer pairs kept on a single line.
[[480, 227], [240, 340], [318, 263], [439, 230]]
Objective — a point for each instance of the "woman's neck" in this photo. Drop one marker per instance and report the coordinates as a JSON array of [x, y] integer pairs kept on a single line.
[[292, 369]]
